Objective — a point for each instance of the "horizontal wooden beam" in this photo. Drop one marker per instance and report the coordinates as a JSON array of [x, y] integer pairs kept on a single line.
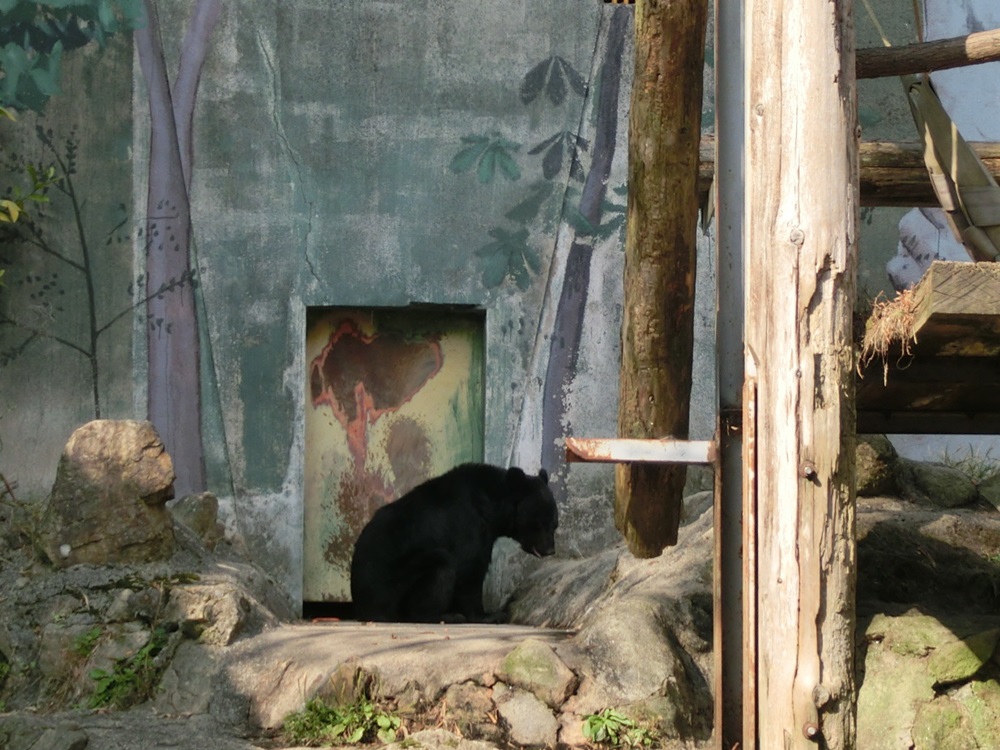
[[892, 173], [634, 451], [940, 54], [948, 381]]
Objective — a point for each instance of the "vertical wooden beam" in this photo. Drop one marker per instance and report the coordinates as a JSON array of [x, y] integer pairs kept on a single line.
[[801, 212], [658, 317]]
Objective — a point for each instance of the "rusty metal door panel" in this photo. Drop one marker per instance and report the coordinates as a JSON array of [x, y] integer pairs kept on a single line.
[[394, 397]]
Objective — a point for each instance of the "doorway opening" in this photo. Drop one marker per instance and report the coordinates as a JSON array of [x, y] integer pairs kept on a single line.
[[394, 396]]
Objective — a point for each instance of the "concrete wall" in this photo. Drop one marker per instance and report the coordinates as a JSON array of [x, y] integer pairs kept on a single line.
[[336, 164]]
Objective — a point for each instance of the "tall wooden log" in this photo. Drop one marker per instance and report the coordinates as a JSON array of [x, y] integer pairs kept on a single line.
[[801, 234], [657, 329]]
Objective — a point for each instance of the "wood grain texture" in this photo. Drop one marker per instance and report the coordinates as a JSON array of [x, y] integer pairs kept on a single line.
[[802, 205], [658, 316]]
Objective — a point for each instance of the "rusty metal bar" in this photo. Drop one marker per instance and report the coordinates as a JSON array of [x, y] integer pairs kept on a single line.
[[630, 450]]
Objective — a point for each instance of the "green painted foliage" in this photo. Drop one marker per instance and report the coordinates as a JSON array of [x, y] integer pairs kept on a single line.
[[554, 76], [508, 255], [487, 153], [34, 36]]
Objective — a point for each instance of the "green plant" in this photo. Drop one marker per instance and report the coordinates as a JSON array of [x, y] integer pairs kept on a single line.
[[131, 680], [609, 727], [84, 643], [12, 206], [361, 721], [979, 467]]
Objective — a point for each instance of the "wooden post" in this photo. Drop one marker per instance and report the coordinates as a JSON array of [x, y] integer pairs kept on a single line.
[[658, 318], [801, 233]]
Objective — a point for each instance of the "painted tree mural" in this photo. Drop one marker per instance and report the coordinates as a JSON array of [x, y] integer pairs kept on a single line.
[[564, 344], [47, 265], [582, 204], [48, 268], [172, 336], [33, 38]]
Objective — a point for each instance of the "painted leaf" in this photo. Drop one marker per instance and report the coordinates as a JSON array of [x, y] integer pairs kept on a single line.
[[519, 273], [576, 81], [532, 259], [552, 163], [467, 157], [556, 89], [487, 166], [11, 211], [534, 81], [494, 270], [578, 221], [527, 210], [507, 165], [544, 145]]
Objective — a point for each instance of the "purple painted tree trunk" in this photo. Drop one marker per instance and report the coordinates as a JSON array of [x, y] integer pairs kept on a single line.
[[174, 366], [564, 344]]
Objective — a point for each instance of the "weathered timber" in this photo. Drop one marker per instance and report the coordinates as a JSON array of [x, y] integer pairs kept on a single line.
[[947, 380], [892, 173], [801, 244], [658, 316], [940, 54]]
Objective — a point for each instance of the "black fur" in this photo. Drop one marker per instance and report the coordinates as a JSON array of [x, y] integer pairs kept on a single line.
[[423, 558]]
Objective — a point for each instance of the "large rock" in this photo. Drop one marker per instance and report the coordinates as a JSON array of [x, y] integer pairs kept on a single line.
[[108, 500], [535, 667], [936, 485], [876, 463]]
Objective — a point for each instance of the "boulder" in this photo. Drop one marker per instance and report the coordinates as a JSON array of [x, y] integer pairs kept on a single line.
[[962, 659], [989, 489], [200, 513], [468, 707], [108, 501], [942, 725], [535, 667], [529, 722], [875, 465], [936, 485]]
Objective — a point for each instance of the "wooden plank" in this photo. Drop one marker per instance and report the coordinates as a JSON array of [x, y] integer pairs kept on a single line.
[[892, 173], [967, 292], [801, 244], [637, 451], [949, 382]]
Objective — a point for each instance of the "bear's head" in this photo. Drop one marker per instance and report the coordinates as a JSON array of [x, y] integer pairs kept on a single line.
[[537, 516]]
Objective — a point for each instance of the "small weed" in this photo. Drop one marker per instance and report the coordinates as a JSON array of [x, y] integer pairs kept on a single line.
[[611, 728], [84, 643], [132, 680], [979, 467], [361, 721]]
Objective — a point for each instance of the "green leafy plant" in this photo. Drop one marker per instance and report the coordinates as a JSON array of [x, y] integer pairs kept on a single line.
[[131, 680], [84, 643], [614, 729], [361, 721]]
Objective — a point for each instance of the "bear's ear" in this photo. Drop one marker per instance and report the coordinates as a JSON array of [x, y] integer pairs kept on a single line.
[[543, 475], [516, 474]]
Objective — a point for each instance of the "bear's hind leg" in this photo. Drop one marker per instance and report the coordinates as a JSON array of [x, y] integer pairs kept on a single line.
[[430, 598]]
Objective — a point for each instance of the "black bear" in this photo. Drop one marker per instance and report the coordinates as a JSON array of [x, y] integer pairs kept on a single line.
[[423, 558]]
